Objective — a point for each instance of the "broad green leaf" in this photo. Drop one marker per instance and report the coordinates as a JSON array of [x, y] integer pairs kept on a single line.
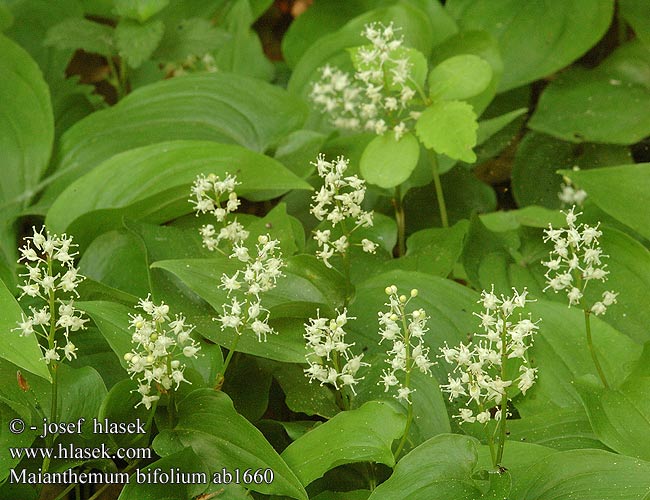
[[22, 351], [234, 443], [184, 461], [242, 53], [250, 400], [26, 136], [439, 469], [583, 475], [536, 39], [298, 150], [449, 127], [459, 77], [540, 156], [448, 305], [140, 10], [387, 162], [82, 34], [637, 14], [430, 416], [585, 105], [620, 192], [217, 107], [559, 428], [560, 352], [153, 184], [119, 405], [189, 37], [6, 17], [343, 495], [464, 194], [620, 416], [303, 396], [307, 286], [136, 42], [474, 44], [362, 435], [10, 410], [432, 251]]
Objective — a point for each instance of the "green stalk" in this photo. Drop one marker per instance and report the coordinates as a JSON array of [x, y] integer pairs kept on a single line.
[[53, 367], [439, 193], [504, 398], [400, 218], [407, 383], [592, 350], [221, 377]]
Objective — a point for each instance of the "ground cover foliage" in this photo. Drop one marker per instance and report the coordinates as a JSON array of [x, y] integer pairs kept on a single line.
[[407, 256]]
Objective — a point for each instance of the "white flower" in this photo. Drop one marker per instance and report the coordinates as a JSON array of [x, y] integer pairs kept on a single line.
[[576, 259], [327, 349], [218, 197], [158, 342], [476, 375], [408, 352], [378, 96], [339, 202]]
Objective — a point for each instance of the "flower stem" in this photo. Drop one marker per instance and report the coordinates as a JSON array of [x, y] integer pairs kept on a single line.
[[53, 366], [400, 218], [221, 377], [504, 397], [440, 196], [407, 382], [592, 350]]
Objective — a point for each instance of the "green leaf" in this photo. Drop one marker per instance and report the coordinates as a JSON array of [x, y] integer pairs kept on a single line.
[[140, 10], [136, 42], [559, 428], [6, 17], [620, 416], [243, 53], [362, 435], [303, 396], [190, 37], [449, 127], [539, 157], [233, 444], [82, 34], [439, 469], [560, 351], [217, 107], [22, 351], [184, 461], [153, 184], [637, 14], [387, 162], [459, 78], [585, 105], [432, 251], [119, 405], [620, 191], [10, 410], [583, 475], [26, 136], [308, 284], [536, 40]]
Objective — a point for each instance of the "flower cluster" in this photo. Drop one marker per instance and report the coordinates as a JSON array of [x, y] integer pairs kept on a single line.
[[159, 342], [575, 260], [218, 197], [339, 201], [328, 351], [479, 373], [405, 331], [378, 97], [260, 275], [191, 64], [51, 275], [571, 195]]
